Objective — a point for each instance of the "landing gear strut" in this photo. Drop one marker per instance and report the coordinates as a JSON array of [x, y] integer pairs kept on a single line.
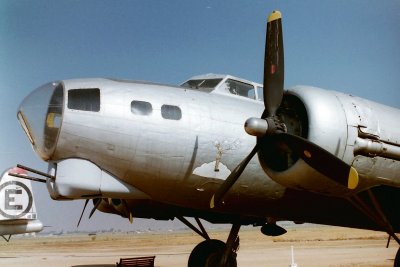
[[376, 214], [397, 259], [228, 258], [212, 252]]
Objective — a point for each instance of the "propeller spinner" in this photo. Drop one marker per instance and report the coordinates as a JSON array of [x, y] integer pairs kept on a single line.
[[270, 128]]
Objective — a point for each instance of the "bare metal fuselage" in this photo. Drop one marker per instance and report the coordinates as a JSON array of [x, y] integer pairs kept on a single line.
[[181, 161]]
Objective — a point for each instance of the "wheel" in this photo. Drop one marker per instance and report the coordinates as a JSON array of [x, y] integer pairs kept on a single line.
[[214, 260], [397, 259], [201, 253]]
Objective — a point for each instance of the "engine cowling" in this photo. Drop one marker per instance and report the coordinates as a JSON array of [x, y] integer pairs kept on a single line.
[[138, 208], [338, 123]]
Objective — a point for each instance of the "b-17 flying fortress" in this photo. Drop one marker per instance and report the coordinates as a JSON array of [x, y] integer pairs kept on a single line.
[[221, 149]]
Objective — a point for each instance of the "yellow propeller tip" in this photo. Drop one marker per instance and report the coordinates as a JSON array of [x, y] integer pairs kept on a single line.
[[274, 16], [212, 204], [353, 179]]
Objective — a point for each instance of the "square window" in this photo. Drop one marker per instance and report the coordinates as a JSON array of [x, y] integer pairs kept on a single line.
[[171, 112], [141, 108], [84, 99]]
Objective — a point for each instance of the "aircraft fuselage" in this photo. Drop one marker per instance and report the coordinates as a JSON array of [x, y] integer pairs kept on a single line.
[[175, 146]]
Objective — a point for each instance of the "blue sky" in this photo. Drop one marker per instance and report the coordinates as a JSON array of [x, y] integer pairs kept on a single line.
[[348, 46]]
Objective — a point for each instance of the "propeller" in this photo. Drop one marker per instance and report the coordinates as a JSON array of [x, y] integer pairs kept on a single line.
[[216, 199], [83, 210], [273, 64], [270, 128], [96, 204]]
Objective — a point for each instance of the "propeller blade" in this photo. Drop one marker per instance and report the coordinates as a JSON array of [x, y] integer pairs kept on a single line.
[[317, 157], [273, 64], [130, 217], [84, 207], [96, 203], [321, 160], [232, 178]]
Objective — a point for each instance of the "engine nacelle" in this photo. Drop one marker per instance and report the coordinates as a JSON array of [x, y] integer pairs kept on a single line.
[[138, 208], [105, 206], [345, 126]]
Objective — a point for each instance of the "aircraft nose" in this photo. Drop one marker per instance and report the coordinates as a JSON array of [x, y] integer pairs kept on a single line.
[[40, 115]]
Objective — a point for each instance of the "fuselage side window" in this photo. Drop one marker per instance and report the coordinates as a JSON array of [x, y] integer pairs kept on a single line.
[[240, 88], [84, 99], [141, 108], [170, 112]]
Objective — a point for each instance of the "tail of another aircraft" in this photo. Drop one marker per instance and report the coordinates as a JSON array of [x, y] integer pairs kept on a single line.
[[17, 206]]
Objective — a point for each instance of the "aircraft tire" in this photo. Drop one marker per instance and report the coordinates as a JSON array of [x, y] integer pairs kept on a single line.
[[397, 259], [215, 259], [201, 253]]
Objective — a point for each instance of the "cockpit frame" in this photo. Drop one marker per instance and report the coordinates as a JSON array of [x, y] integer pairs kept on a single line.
[[226, 85]]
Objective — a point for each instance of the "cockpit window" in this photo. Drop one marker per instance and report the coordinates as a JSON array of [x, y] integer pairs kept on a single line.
[[171, 112], [40, 115], [84, 99], [240, 88], [260, 93], [204, 85], [141, 108], [53, 118]]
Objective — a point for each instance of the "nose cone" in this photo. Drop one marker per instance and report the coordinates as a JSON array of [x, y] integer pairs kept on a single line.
[[40, 115]]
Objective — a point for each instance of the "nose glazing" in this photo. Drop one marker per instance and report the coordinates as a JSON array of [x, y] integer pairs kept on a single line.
[[40, 115]]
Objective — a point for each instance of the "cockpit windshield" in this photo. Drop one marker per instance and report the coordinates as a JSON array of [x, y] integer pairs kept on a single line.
[[40, 115], [204, 85], [240, 88]]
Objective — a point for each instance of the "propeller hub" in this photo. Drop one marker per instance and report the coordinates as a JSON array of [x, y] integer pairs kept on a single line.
[[262, 127], [256, 127]]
